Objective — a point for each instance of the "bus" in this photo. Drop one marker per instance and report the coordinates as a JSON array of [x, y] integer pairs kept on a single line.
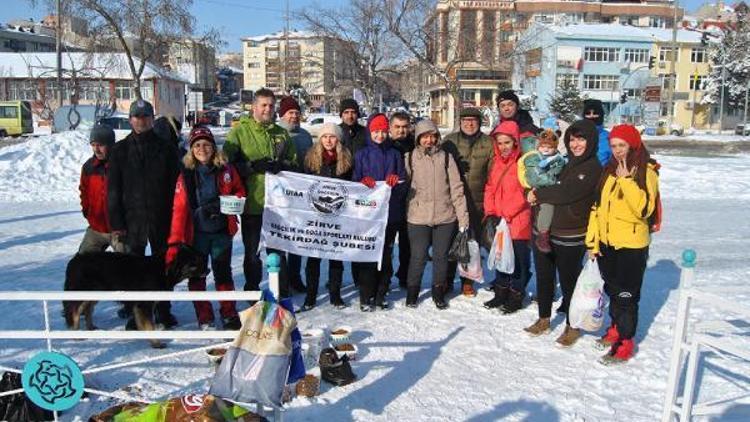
[[15, 118]]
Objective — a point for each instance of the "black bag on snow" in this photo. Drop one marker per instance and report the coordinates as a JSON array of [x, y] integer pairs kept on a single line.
[[488, 231], [17, 407], [459, 250]]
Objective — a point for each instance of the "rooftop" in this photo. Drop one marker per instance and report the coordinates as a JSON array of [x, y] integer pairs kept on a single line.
[[280, 35], [615, 31]]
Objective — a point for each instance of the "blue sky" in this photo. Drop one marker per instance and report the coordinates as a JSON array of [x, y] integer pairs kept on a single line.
[[234, 18]]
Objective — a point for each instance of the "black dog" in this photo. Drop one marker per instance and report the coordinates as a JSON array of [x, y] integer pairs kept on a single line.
[[121, 272]]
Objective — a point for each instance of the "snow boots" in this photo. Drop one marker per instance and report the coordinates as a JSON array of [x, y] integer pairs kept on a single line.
[[501, 296], [569, 337], [609, 338], [514, 303], [412, 294], [334, 370], [438, 296], [541, 326], [620, 352]]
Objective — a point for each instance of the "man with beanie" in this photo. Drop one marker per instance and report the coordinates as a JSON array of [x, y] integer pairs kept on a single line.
[[473, 151], [93, 188], [289, 114], [255, 146], [142, 175], [594, 111], [403, 140], [509, 106], [354, 133]]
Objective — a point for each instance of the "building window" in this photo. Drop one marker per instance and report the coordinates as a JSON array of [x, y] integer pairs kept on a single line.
[[601, 82], [657, 22], [601, 54], [92, 90], [147, 92], [665, 84], [124, 90], [697, 82], [467, 37], [22, 90], [636, 55], [565, 78], [665, 54], [698, 55], [629, 20]]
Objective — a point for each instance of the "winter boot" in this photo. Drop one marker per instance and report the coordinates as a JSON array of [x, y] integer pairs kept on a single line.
[[620, 352], [542, 242], [513, 304], [569, 337], [412, 294], [501, 296], [468, 288], [334, 370], [608, 339], [231, 323], [438, 296], [541, 326]]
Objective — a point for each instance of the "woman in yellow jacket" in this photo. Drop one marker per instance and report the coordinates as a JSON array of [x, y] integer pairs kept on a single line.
[[619, 235]]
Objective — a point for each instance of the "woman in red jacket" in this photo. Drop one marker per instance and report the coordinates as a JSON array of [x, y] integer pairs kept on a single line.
[[196, 220], [504, 198]]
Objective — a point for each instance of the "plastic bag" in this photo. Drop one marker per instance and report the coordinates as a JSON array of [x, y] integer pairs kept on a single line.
[[204, 408], [501, 256], [472, 270], [16, 407], [459, 250], [488, 231], [587, 304]]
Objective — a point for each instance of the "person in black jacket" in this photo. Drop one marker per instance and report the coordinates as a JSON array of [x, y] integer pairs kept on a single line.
[[572, 196], [327, 158], [354, 133], [402, 137], [142, 175]]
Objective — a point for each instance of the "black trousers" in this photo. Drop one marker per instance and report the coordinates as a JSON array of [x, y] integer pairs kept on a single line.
[[521, 268], [374, 283], [404, 252], [622, 271], [294, 265], [252, 266], [564, 261], [312, 278], [421, 238]]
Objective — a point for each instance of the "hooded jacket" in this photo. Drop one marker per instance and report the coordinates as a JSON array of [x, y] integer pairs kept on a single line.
[[250, 141], [93, 188], [575, 191], [504, 196], [528, 130], [436, 192], [378, 161]]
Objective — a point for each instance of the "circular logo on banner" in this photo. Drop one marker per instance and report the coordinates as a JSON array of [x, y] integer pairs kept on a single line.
[[328, 198], [53, 381]]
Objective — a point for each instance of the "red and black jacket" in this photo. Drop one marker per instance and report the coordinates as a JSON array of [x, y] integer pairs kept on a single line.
[[93, 188]]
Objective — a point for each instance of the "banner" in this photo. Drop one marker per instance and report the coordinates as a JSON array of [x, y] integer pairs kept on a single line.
[[325, 218]]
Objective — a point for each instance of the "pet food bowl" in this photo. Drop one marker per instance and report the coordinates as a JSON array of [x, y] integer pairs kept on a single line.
[[352, 354], [216, 354], [231, 205], [341, 334]]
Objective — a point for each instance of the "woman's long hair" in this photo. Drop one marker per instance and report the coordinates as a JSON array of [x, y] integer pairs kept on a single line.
[[219, 159], [314, 158]]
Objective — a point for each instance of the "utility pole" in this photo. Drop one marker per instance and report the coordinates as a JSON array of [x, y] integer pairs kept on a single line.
[[721, 97], [58, 49], [672, 70], [285, 79], [744, 121]]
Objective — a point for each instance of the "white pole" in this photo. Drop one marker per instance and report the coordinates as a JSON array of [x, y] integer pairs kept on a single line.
[[273, 262], [744, 121]]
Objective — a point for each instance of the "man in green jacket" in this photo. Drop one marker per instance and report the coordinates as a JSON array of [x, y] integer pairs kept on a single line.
[[472, 151], [256, 146]]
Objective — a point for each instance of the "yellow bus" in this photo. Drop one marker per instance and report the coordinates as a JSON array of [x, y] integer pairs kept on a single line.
[[15, 118]]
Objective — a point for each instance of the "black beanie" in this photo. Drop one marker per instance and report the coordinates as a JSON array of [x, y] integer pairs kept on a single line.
[[508, 94], [347, 104], [102, 134], [596, 107]]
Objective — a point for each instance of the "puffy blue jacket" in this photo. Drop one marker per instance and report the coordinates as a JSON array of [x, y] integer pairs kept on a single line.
[[604, 151], [378, 161]]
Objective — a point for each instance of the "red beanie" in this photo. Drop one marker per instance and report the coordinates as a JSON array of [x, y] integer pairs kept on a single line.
[[288, 103], [379, 122], [201, 132], [628, 134], [508, 127]]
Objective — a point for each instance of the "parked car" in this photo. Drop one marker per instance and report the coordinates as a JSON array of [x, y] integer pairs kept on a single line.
[[120, 123], [209, 117], [15, 118], [741, 130], [661, 129], [315, 121]]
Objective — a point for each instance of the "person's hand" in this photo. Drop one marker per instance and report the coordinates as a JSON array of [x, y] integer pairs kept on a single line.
[[462, 229], [622, 169], [262, 165], [592, 255], [368, 181], [391, 180], [531, 197], [171, 254]]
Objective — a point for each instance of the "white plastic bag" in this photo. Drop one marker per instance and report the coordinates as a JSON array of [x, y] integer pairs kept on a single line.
[[587, 304], [472, 270], [501, 255]]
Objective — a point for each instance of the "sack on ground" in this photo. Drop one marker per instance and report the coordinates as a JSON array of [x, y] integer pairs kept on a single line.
[[473, 269], [501, 256], [587, 304], [459, 250], [179, 409]]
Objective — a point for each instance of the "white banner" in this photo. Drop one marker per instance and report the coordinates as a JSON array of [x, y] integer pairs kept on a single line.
[[325, 218]]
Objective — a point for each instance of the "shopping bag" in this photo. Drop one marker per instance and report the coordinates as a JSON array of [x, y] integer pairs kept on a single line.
[[459, 250], [17, 407], [587, 304], [501, 256], [473, 269], [488, 231]]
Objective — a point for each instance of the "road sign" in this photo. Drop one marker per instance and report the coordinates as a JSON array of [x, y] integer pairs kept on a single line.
[[652, 94]]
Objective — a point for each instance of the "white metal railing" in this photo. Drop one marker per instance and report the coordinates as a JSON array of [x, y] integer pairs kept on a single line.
[[690, 339], [49, 334]]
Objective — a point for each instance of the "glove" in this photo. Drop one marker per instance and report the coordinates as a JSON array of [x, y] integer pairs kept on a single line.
[[391, 180], [368, 181], [171, 254], [262, 165], [211, 210], [461, 229]]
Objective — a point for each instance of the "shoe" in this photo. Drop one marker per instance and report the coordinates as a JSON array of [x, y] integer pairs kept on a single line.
[[560, 310], [569, 337], [468, 289], [412, 305], [168, 321], [383, 305], [125, 312], [501, 296], [620, 352], [338, 303], [366, 308], [440, 304], [231, 323], [542, 242], [207, 326], [541, 326], [334, 370], [513, 304], [608, 339], [307, 307]]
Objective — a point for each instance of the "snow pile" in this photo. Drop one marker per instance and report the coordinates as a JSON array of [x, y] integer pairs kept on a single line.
[[44, 168]]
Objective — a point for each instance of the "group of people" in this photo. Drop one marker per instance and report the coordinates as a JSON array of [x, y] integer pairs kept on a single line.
[[569, 199]]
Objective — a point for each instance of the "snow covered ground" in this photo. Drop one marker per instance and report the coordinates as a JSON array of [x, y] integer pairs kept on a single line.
[[465, 363]]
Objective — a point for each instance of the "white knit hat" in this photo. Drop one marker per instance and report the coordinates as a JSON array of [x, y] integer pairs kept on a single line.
[[331, 129]]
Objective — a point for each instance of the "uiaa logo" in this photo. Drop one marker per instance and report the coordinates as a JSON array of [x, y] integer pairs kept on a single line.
[[327, 198]]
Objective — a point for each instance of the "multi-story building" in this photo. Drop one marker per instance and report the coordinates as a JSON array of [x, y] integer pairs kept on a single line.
[[606, 61], [477, 41], [19, 36], [280, 62], [195, 62]]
